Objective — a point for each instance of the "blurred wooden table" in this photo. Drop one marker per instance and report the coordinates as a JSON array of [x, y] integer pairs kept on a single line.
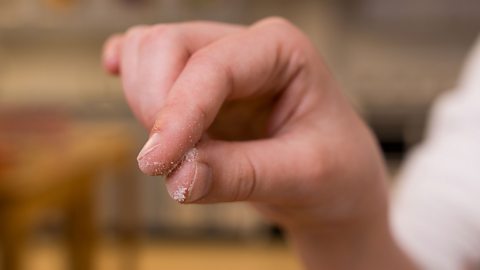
[[57, 171], [177, 255]]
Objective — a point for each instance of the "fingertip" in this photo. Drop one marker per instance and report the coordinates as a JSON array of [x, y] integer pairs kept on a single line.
[[111, 54], [149, 166], [111, 65], [153, 164], [148, 159], [191, 181], [157, 157]]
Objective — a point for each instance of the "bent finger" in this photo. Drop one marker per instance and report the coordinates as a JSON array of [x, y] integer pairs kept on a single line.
[[262, 61], [153, 57]]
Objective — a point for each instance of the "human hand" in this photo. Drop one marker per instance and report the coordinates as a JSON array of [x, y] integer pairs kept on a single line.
[[310, 165]]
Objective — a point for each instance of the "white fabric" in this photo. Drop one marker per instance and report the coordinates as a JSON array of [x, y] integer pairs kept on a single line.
[[436, 204]]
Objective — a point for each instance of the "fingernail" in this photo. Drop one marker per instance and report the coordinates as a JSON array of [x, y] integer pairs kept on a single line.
[[201, 184], [191, 181], [152, 143], [148, 162]]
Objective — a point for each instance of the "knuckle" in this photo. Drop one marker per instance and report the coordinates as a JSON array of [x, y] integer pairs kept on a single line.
[[214, 68], [160, 32], [277, 21], [209, 65], [204, 57], [299, 57], [286, 33], [135, 31], [218, 65], [281, 25]]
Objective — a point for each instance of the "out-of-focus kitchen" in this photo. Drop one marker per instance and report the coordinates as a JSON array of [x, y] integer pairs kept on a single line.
[[71, 194]]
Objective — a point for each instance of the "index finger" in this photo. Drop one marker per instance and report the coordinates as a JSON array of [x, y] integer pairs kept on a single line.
[[265, 60]]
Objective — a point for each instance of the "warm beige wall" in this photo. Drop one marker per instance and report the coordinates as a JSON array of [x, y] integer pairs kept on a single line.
[[52, 73]]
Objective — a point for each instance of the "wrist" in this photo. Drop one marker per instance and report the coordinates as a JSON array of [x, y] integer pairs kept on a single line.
[[349, 246]]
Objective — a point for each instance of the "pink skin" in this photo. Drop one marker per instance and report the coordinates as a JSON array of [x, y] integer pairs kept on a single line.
[[317, 172]]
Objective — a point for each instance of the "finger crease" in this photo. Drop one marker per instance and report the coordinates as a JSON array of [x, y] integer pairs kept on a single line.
[[252, 177]]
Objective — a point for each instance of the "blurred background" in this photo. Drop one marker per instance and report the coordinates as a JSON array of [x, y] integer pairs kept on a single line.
[[71, 196]]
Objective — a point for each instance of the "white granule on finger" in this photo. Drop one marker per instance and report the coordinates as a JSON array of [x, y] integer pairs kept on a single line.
[[191, 155], [180, 194]]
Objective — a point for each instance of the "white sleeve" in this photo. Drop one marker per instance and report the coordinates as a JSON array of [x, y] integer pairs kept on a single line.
[[436, 203]]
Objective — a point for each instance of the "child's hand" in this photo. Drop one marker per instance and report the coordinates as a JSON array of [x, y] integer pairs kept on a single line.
[[311, 163]]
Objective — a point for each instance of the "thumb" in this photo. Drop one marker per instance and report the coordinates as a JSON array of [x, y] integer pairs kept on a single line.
[[220, 171]]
